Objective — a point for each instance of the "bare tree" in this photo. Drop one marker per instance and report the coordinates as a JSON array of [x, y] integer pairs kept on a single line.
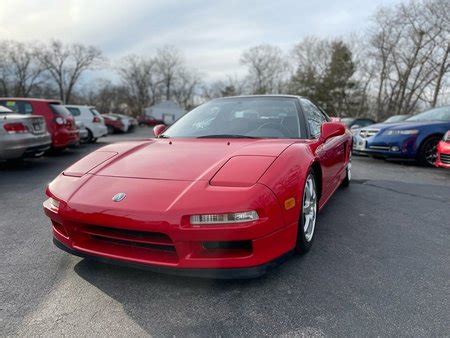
[[21, 73], [266, 68], [66, 63], [185, 88], [410, 46], [232, 86], [139, 76], [169, 63]]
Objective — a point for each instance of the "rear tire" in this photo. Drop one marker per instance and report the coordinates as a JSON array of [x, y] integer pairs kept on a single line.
[[308, 215], [428, 151], [90, 136]]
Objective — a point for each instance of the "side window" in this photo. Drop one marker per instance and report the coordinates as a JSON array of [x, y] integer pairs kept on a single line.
[[314, 117], [21, 107], [74, 111]]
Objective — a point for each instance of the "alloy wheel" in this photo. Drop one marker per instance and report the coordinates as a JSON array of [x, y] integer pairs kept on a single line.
[[309, 208]]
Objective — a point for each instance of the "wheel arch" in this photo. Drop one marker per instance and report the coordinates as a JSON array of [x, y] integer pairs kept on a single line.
[[317, 169]]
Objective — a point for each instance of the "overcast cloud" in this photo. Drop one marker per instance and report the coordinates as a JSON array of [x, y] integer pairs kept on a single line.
[[211, 34]]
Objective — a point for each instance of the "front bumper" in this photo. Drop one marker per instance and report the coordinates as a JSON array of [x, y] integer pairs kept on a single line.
[[230, 273], [443, 159], [24, 145], [156, 232], [401, 147]]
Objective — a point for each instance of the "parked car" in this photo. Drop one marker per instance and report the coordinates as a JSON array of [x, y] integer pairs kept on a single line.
[[115, 123], [22, 136], [227, 191], [397, 118], [416, 138], [60, 122], [92, 120], [82, 131], [443, 150], [355, 124], [146, 120], [132, 122]]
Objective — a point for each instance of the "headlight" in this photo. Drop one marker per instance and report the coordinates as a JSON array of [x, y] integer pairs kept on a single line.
[[447, 137], [401, 132], [238, 217]]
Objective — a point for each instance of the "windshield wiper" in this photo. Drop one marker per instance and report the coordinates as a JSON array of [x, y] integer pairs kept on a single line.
[[226, 136]]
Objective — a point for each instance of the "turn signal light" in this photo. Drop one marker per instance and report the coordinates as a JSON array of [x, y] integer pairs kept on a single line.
[[52, 204]]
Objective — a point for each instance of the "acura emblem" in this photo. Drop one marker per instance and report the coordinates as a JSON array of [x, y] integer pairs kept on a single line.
[[119, 197]]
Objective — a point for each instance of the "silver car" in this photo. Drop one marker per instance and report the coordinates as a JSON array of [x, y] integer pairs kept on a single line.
[[22, 135], [84, 134]]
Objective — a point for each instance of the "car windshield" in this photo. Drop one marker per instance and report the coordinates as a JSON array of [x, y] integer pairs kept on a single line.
[[436, 114], [240, 117], [396, 118]]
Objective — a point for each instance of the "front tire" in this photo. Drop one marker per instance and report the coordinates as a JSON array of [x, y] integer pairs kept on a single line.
[[308, 215], [428, 151]]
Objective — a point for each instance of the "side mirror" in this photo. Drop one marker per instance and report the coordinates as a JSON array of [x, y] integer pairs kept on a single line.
[[159, 129], [331, 129]]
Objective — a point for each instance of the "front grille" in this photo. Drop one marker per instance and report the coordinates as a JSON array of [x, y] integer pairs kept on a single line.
[[365, 133], [445, 158], [379, 147], [129, 244]]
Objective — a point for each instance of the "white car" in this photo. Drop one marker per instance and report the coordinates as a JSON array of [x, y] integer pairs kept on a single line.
[[92, 120]]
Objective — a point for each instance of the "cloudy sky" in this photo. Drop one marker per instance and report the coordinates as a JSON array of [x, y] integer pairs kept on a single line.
[[211, 34]]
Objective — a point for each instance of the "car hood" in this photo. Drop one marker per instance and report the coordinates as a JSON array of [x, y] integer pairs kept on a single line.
[[182, 159], [406, 125]]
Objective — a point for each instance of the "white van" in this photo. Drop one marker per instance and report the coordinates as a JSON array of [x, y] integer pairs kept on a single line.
[[93, 121]]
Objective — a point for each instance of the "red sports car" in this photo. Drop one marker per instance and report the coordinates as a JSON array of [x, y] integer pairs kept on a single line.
[[229, 190], [443, 152]]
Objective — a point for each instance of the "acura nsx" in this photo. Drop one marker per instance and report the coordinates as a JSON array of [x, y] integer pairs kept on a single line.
[[229, 190]]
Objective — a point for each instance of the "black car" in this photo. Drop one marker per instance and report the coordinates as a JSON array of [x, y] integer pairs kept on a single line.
[[357, 123]]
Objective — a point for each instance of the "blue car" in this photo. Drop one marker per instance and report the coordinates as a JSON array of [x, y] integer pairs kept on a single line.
[[415, 138]]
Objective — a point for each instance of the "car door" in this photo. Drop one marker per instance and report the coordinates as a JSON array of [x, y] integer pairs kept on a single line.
[[331, 154]]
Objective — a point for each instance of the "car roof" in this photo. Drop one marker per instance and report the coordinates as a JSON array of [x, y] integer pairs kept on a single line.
[[28, 99]]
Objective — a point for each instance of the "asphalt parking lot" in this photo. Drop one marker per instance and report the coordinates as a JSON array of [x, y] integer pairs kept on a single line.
[[380, 265]]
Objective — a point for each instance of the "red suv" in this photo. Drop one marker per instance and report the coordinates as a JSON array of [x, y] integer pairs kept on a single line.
[[60, 122]]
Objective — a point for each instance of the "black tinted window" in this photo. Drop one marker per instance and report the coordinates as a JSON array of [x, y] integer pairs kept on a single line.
[[364, 122]]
